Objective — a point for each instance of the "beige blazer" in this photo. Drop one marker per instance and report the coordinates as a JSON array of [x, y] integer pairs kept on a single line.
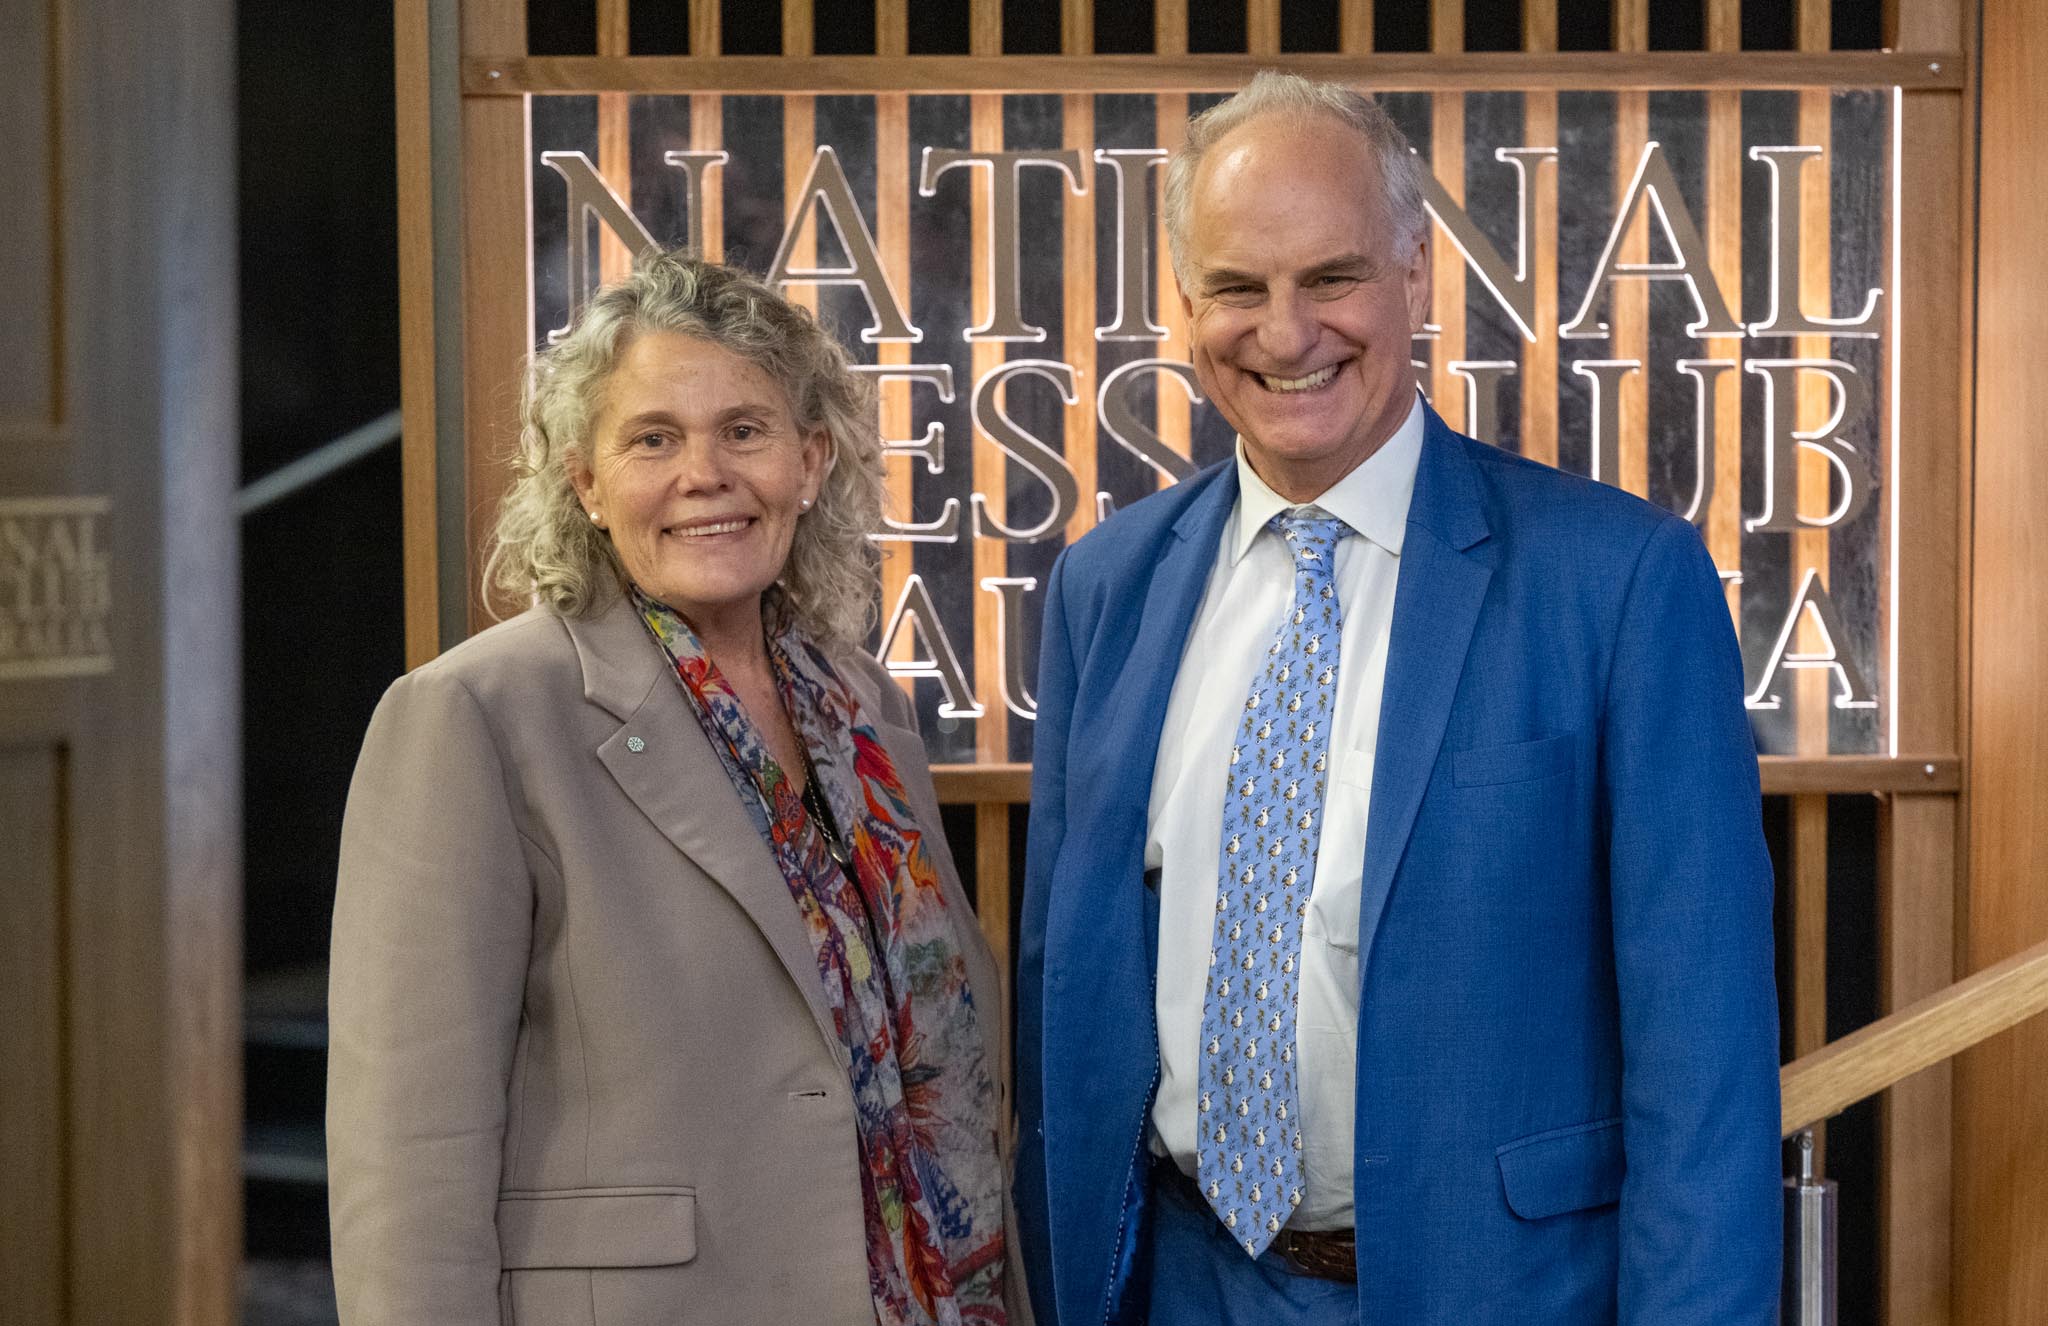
[[582, 1070]]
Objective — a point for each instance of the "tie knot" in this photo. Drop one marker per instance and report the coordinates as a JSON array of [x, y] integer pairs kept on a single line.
[[1311, 535]]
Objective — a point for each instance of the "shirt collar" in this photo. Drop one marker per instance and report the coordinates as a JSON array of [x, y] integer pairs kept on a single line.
[[1372, 499]]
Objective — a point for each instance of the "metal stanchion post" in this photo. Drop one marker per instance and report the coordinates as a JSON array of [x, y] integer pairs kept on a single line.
[[1810, 1202]]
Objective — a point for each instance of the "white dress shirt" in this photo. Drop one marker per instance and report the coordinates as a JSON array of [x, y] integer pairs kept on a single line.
[[1249, 590]]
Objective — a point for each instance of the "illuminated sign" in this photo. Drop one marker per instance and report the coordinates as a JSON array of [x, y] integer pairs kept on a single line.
[[1751, 389]]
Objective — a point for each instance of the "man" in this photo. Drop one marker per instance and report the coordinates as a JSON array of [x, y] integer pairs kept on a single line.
[[1397, 927]]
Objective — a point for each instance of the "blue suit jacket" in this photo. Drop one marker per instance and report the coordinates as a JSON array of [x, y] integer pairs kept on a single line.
[[1567, 1085]]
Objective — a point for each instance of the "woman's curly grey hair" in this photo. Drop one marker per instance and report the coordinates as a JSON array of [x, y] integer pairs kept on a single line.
[[546, 548], [1274, 93]]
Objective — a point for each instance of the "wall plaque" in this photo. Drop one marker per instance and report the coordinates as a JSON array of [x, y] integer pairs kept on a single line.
[[56, 588]]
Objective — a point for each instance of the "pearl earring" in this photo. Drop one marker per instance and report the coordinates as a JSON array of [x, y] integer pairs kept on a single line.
[[804, 505], [595, 519]]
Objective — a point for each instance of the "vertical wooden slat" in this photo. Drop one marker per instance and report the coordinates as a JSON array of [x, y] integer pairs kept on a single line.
[[1921, 857], [985, 27], [892, 240], [497, 254], [705, 36], [991, 555], [1722, 528], [413, 80], [1630, 317], [892, 27], [1810, 549], [799, 144], [1447, 273], [1354, 25], [1169, 27], [614, 145], [1262, 27], [797, 28], [1077, 117], [1170, 112], [707, 134], [1539, 358]]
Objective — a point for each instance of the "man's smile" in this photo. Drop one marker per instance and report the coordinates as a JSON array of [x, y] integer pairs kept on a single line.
[[1320, 378]]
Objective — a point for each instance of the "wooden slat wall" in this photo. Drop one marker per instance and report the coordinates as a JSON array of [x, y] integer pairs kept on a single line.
[[1921, 827]]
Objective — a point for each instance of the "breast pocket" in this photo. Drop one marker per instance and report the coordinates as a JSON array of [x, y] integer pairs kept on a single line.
[[1516, 762]]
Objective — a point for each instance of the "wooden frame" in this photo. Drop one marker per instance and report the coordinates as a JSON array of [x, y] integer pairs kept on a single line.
[[506, 73], [1920, 823]]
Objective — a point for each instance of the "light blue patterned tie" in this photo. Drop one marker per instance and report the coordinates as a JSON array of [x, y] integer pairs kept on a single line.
[[1248, 1115]]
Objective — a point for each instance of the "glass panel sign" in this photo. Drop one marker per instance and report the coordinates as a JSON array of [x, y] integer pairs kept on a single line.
[[1687, 294]]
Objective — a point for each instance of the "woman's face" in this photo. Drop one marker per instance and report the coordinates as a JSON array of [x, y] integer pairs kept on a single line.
[[696, 467]]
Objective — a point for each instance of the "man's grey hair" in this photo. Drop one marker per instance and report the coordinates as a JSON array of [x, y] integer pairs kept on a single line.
[[1273, 93], [545, 547]]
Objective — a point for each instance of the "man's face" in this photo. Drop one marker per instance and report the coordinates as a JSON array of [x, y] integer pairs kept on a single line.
[[1301, 298]]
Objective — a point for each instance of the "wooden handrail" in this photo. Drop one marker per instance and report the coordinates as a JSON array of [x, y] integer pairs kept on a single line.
[[1922, 1034]]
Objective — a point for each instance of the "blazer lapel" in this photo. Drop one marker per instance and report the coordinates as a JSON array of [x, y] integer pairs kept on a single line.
[[1145, 683], [1441, 585], [679, 783]]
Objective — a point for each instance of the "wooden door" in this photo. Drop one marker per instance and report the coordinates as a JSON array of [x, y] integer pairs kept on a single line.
[[119, 657]]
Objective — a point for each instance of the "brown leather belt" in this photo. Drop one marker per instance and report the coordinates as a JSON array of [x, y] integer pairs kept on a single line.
[[1327, 1254]]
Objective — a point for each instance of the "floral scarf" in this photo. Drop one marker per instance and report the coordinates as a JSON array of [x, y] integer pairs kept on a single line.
[[931, 1183]]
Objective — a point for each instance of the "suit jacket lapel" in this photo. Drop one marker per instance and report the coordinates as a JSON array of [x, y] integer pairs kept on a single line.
[[679, 783], [1437, 598], [1172, 595]]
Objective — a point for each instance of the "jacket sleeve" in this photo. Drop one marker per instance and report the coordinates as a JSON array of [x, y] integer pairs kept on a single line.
[[432, 928], [1056, 682], [1701, 1211]]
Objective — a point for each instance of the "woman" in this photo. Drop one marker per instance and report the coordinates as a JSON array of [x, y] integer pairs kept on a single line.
[[654, 995]]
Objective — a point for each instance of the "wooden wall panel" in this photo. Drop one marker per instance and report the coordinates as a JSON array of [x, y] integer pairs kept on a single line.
[[412, 66], [30, 334], [497, 308], [1920, 848], [32, 1100], [148, 1228], [2001, 1261]]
